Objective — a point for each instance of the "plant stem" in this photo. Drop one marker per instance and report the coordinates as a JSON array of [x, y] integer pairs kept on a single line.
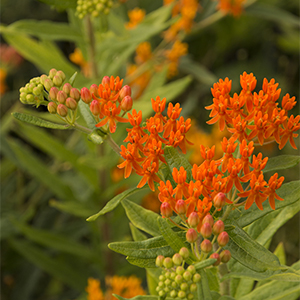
[[92, 48], [82, 128], [227, 212], [224, 285], [113, 144]]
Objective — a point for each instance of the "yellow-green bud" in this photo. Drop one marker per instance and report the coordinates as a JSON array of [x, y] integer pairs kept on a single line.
[[52, 107]]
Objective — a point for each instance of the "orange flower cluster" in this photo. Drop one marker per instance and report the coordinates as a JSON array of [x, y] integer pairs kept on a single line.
[[234, 7], [145, 148], [136, 16], [110, 100], [187, 9], [254, 116]]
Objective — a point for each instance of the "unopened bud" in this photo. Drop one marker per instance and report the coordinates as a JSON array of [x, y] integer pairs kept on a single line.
[[193, 287], [159, 260], [225, 256], [173, 294], [181, 294], [184, 252], [191, 269], [48, 84], [208, 219], [86, 95], [180, 207], [218, 227], [178, 279], [57, 80], [187, 276], [62, 110], [43, 78], [105, 80], [217, 257], [52, 73], [67, 88], [126, 103], [193, 219], [94, 89], [125, 91], [30, 99], [168, 263], [184, 286], [206, 246], [52, 106], [61, 97], [191, 235], [75, 94], [196, 278], [95, 107], [71, 103], [166, 210], [53, 93], [190, 296], [206, 230], [223, 239], [177, 259], [61, 74], [219, 200]]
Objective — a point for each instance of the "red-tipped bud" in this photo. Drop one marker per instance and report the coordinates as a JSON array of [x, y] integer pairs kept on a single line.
[[53, 93], [48, 84], [61, 74], [57, 80], [219, 200], [159, 260], [62, 110], [71, 103], [166, 210], [61, 97], [177, 259], [191, 235], [225, 256], [86, 95], [168, 263], [43, 78], [184, 252], [180, 207], [217, 257], [52, 107], [67, 88], [218, 227], [193, 219], [52, 73], [125, 91], [105, 80], [94, 89], [95, 107], [223, 239], [208, 219], [206, 230], [126, 103], [206, 246], [75, 94]]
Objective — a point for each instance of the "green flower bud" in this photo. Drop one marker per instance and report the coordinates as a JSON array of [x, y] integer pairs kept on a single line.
[[52, 107], [184, 286], [167, 274], [173, 294], [193, 287], [61, 74], [225, 256], [168, 282], [57, 80], [167, 290], [162, 278], [190, 296], [159, 260], [191, 269], [161, 293], [178, 279], [174, 285], [48, 84], [173, 275], [30, 99], [161, 284], [180, 270], [184, 252], [187, 276], [43, 78], [177, 259], [181, 294], [52, 73], [196, 278]]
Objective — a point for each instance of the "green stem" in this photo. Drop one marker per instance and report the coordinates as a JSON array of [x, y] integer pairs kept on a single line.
[[227, 212], [224, 285], [113, 145], [92, 48], [82, 128]]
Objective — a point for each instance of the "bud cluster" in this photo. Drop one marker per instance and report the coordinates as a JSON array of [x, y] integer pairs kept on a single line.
[[177, 281], [93, 7]]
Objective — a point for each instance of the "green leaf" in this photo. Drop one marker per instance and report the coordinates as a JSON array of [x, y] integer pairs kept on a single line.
[[137, 235], [281, 162], [87, 115], [60, 4], [152, 275], [142, 262], [249, 253], [171, 237], [141, 218], [113, 203], [143, 297], [203, 264], [280, 253], [38, 121], [46, 30], [46, 262], [203, 287], [244, 287], [290, 192], [72, 78], [149, 248], [273, 13]]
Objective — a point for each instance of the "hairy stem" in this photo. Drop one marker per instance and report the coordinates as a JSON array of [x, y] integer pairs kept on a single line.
[[224, 285]]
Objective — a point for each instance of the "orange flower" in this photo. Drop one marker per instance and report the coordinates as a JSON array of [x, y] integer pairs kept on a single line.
[[248, 83], [231, 6], [228, 147], [287, 102], [94, 290], [234, 168], [149, 175], [274, 184], [290, 126], [154, 152], [182, 187], [195, 190], [166, 193], [136, 16], [143, 53], [173, 113], [246, 151], [258, 130], [239, 129]]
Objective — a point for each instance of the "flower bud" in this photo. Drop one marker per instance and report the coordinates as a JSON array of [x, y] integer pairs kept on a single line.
[[168, 263], [36, 91], [206, 246], [95, 107], [75, 94], [126, 103], [225, 256], [43, 78], [180, 207], [218, 227], [48, 84], [191, 235], [191, 269], [52, 106], [193, 287], [167, 274], [196, 278], [61, 74], [208, 219], [184, 286], [23, 98], [161, 293], [71, 103], [219, 200], [184, 252], [187, 276], [52, 73], [61, 97], [181, 294], [86, 95], [94, 89], [57, 80], [105, 80], [30, 99], [193, 219], [159, 260], [190, 296], [67, 88], [125, 91], [173, 294], [177, 259], [217, 257], [62, 110], [223, 239], [53, 93], [206, 230], [166, 210], [178, 279], [179, 270], [167, 282]]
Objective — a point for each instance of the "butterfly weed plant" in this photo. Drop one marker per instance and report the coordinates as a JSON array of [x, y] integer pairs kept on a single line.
[[210, 238]]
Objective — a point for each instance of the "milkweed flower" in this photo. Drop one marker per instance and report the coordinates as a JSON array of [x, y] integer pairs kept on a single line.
[[136, 16]]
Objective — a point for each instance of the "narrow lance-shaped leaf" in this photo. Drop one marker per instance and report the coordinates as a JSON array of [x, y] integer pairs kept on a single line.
[[281, 162], [203, 287]]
